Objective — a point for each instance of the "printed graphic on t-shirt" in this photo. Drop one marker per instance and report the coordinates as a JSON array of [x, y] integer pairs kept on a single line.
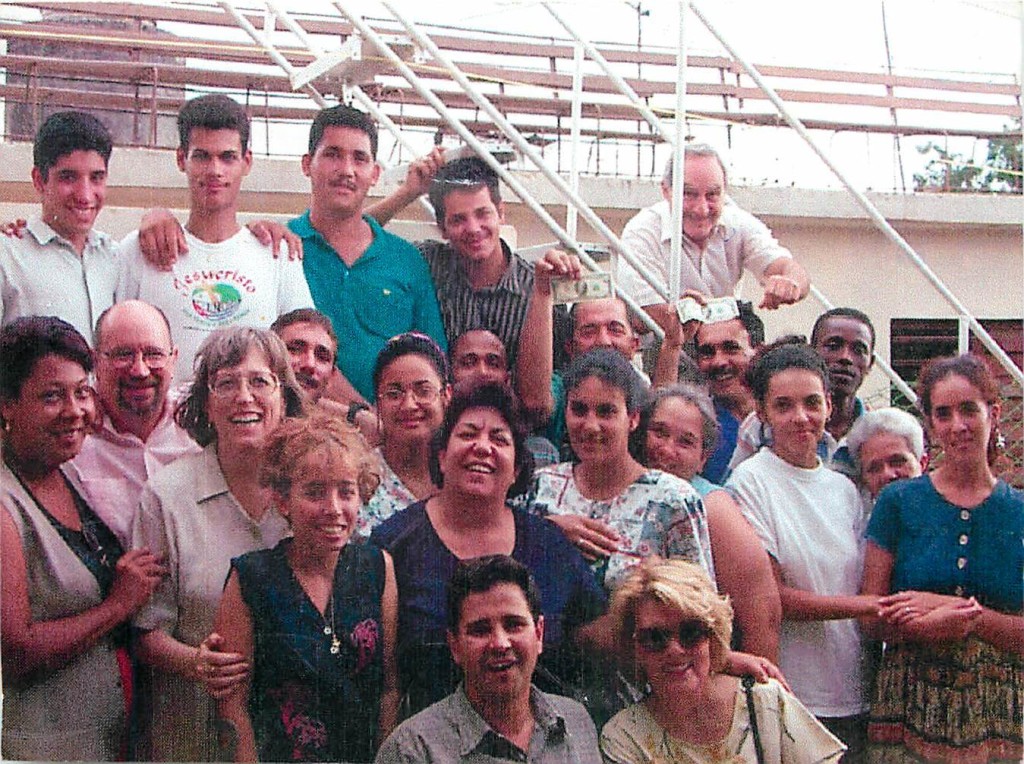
[[215, 298]]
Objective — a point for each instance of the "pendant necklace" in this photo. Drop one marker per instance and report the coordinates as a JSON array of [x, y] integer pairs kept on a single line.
[[329, 629]]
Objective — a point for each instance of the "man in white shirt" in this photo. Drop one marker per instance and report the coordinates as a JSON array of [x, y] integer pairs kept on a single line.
[[227, 277], [60, 266], [720, 241], [137, 434]]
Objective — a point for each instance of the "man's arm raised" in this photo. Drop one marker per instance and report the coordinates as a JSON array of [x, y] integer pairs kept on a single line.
[[535, 359], [417, 182]]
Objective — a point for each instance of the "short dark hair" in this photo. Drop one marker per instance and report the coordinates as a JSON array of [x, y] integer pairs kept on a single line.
[[27, 340], [342, 116], [481, 574], [411, 343], [749, 320], [68, 131], [306, 316], [609, 366], [789, 352], [853, 313], [213, 112], [465, 174], [487, 395]]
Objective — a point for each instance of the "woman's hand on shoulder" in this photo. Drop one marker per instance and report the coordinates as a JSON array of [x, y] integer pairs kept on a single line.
[[136, 576], [594, 538]]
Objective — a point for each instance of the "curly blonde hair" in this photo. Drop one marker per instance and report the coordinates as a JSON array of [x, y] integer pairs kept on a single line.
[[338, 441], [680, 585]]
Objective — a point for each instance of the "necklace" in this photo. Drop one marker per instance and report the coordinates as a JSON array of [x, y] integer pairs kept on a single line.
[[329, 629]]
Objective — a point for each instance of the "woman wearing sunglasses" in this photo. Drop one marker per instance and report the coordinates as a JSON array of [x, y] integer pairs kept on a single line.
[[410, 382], [675, 629]]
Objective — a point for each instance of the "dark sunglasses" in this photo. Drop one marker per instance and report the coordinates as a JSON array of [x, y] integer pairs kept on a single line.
[[689, 634]]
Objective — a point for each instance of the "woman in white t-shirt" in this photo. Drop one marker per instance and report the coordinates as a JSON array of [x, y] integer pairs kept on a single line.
[[810, 521]]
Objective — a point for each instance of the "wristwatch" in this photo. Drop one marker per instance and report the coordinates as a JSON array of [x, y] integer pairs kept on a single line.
[[353, 411]]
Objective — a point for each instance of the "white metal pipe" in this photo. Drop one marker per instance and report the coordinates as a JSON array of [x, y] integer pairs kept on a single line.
[[882, 364], [963, 335], [678, 169], [470, 139], [571, 213], [617, 79], [866, 204], [529, 151]]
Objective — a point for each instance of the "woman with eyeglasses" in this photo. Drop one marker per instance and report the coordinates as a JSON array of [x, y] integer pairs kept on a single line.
[[675, 629], [68, 587], [197, 514], [411, 386]]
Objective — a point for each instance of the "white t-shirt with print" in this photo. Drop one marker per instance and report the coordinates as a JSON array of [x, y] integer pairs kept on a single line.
[[236, 282]]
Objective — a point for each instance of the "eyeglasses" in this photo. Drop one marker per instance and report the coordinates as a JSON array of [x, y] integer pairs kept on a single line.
[[122, 358], [422, 392], [259, 384], [689, 634]]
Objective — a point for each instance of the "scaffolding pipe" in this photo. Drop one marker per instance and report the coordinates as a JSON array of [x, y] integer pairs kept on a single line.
[[614, 76], [866, 204], [678, 170], [513, 135], [888, 370], [571, 213], [470, 139]]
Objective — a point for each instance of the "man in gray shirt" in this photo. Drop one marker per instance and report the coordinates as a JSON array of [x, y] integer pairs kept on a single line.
[[495, 633]]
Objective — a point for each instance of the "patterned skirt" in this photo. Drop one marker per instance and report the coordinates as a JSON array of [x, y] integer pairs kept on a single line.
[[959, 703]]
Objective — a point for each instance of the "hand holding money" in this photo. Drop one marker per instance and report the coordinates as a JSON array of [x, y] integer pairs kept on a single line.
[[587, 288], [554, 264], [711, 312]]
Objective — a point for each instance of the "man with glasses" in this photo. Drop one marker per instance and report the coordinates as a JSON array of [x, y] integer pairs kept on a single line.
[[136, 433]]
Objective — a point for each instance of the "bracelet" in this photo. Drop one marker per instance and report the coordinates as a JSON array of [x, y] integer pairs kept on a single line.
[[353, 411]]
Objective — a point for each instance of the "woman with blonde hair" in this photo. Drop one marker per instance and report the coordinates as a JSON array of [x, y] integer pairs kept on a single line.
[[669, 619], [315, 616]]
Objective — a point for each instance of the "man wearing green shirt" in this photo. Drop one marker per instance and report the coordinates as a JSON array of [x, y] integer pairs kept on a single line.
[[372, 284]]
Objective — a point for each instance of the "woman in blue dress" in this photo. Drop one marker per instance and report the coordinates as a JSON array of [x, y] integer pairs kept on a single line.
[[951, 545], [316, 616]]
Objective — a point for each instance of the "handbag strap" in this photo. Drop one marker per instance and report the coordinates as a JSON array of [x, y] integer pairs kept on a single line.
[[748, 685]]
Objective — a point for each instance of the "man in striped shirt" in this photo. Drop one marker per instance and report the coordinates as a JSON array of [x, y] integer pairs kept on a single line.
[[480, 282]]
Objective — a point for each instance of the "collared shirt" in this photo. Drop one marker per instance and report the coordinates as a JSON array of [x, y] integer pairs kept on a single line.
[[500, 309], [114, 466], [385, 292], [753, 434], [451, 730], [41, 274], [716, 469], [189, 518], [740, 241]]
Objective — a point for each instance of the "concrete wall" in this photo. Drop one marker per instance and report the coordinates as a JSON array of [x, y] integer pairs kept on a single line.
[[973, 242]]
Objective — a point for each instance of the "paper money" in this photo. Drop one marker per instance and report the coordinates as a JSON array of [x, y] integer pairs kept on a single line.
[[716, 309], [589, 286]]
